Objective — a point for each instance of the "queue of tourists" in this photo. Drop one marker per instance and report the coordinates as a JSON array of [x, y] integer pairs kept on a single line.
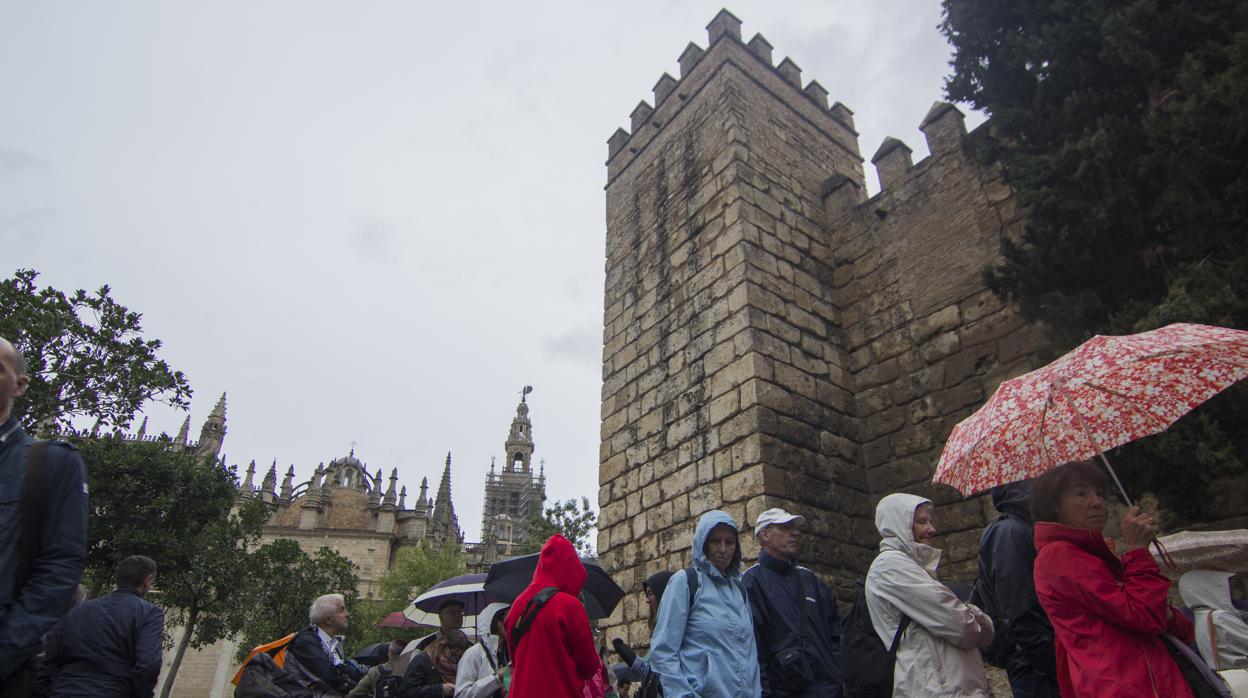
[[1055, 605]]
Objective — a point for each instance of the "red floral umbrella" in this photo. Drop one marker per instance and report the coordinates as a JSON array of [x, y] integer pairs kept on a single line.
[[1105, 393]]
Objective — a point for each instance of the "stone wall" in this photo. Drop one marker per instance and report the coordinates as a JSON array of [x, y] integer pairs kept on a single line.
[[772, 339]]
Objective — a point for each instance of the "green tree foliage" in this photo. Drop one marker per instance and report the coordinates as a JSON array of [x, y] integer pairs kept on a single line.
[[147, 498], [85, 354], [571, 519], [417, 568], [208, 580], [283, 582], [1116, 125]]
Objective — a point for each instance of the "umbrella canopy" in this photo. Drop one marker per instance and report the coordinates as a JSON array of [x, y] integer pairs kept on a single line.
[[1224, 551], [1105, 393], [398, 620], [465, 589], [509, 577], [373, 654]]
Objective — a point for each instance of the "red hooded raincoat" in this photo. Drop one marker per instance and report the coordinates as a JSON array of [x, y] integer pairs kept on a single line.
[[1108, 616], [557, 655]]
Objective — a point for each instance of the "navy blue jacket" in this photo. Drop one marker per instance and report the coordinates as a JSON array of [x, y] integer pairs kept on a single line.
[[27, 613], [773, 592], [307, 648], [110, 648], [1006, 588]]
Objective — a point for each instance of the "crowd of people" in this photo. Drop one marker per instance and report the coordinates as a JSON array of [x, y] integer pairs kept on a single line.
[[1056, 604]]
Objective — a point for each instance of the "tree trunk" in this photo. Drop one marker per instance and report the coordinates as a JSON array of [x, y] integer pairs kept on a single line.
[[191, 616]]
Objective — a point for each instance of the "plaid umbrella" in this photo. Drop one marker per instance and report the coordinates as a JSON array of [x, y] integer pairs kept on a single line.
[[1105, 393]]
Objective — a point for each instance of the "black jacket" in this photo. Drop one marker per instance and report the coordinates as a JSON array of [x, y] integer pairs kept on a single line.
[[27, 613], [421, 680], [773, 590], [307, 649], [1006, 589], [110, 646]]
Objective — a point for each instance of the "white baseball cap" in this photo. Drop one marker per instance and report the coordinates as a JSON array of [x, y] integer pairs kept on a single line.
[[777, 516]]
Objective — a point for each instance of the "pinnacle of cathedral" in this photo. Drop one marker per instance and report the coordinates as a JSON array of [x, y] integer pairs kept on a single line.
[[138, 436], [219, 410], [247, 488], [402, 497], [388, 501], [179, 442], [270, 480], [287, 482], [374, 493], [422, 504], [444, 521]]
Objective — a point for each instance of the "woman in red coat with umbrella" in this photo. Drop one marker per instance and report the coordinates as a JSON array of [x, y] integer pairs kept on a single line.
[[556, 653], [1108, 612]]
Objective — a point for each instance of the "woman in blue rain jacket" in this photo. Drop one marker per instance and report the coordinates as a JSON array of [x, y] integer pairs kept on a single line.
[[706, 649]]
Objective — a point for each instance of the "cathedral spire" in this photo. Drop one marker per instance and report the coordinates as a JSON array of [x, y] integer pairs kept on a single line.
[[387, 502], [142, 432], [247, 487], [269, 482], [288, 483], [422, 504], [179, 441], [445, 524], [519, 445], [213, 433], [374, 493]]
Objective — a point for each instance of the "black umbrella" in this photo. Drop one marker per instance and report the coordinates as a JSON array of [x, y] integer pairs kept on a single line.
[[374, 654], [509, 577]]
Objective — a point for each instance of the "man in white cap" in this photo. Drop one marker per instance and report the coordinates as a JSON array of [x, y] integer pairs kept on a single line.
[[796, 622]]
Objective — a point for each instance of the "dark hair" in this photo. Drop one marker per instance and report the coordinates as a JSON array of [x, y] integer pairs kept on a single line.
[[396, 647], [135, 570], [1046, 493]]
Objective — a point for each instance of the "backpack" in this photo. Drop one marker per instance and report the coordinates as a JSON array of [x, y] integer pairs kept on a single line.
[[867, 664], [691, 579], [388, 684], [262, 677], [998, 652]]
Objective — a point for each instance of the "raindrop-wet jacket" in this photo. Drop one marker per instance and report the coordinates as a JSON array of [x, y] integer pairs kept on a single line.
[[1005, 589], [478, 668], [938, 655], [1108, 616], [1208, 594], [556, 656], [27, 613], [707, 650]]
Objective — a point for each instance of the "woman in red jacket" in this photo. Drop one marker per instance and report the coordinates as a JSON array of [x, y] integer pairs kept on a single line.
[[1108, 612], [556, 655]]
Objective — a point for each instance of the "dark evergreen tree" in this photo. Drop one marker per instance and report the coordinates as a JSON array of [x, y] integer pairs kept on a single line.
[[1120, 127]]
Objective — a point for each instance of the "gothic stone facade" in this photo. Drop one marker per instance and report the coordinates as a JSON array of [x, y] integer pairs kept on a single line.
[[773, 337], [344, 507]]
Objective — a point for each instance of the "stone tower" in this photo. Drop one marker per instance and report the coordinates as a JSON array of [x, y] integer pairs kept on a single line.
[[774, 338], [516, 491], [212, 434]]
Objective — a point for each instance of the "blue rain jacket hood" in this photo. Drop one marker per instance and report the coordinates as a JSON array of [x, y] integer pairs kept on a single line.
[[706, 650]]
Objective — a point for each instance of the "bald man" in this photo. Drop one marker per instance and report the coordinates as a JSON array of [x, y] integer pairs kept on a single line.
[[43, 532]]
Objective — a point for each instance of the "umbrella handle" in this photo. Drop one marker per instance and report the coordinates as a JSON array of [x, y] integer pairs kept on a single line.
[[1164, 555]]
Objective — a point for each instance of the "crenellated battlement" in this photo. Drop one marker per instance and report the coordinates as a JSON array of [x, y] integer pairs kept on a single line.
[[698, 66]]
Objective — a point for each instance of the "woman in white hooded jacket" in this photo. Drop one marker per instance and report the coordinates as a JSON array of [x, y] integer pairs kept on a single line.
[[938, 654], [480, 672]]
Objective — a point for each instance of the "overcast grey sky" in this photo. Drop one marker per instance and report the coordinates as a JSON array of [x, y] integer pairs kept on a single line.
[[374, 222]]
